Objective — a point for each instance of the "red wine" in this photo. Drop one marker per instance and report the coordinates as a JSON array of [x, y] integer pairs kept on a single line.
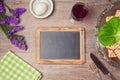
[[79, 11]]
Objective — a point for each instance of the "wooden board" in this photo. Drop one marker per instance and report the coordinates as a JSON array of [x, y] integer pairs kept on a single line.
[[60, 45]]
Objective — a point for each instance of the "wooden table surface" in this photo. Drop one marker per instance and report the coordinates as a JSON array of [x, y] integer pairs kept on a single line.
[[59, 18]]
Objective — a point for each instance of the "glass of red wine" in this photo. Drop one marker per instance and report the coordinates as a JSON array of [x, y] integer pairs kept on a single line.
[[79, 11]]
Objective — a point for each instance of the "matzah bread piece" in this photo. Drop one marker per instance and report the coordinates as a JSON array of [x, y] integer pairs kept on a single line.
[[117, 13], [108, 18]]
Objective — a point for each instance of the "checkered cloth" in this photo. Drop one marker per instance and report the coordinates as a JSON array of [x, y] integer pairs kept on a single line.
[[13, 68]]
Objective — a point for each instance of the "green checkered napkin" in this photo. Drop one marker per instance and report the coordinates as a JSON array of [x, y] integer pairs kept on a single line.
[[13, 68]]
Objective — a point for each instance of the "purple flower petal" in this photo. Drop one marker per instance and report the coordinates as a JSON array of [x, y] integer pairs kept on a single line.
[[24, 47], [14, 40], [18, 41], [21, 38], [19, 45], [15, 29], [2, 8], [18, 11], [1, 3], [11, 20], [10, 37], [1, 0], [2, 22]]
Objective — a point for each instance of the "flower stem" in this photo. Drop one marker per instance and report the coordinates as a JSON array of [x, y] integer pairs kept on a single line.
[[8, 7], [4, 30]]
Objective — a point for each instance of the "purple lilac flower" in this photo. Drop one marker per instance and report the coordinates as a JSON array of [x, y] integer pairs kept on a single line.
[[2, 22], [18, 41], [18, 11], [24, 47], [10, 20], [10, 37], [1, 0], [15, 29], [2, 8], [1, 3]]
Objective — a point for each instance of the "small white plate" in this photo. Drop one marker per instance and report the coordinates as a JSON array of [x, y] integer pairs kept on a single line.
[[34, 3]]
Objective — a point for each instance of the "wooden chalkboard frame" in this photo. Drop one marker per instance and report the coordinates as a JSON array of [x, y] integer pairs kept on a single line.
[[61, 61]]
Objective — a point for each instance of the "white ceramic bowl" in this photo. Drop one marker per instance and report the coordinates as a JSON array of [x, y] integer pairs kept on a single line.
[[34, 3]]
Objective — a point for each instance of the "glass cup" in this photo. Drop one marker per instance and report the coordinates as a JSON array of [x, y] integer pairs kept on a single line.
[[78, 12]]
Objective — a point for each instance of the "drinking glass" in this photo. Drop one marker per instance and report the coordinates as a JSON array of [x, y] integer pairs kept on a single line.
[[78, 12]]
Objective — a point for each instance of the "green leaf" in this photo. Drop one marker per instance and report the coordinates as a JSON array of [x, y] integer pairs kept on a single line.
[[109, 33]]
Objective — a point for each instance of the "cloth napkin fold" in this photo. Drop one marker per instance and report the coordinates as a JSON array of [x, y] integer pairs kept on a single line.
[[14, 68]]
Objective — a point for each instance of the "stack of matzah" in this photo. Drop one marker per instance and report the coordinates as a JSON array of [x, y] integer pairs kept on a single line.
[[114, 50]]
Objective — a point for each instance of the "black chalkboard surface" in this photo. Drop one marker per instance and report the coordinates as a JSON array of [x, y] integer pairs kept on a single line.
[[60, 45]]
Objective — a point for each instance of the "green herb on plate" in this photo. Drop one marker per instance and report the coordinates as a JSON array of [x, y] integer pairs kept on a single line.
[[109, 33]]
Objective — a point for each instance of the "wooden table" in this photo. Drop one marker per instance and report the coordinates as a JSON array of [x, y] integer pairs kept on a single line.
[[59, 18]]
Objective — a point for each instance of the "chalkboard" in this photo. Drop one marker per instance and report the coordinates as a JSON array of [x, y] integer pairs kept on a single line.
[[60, 45]]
